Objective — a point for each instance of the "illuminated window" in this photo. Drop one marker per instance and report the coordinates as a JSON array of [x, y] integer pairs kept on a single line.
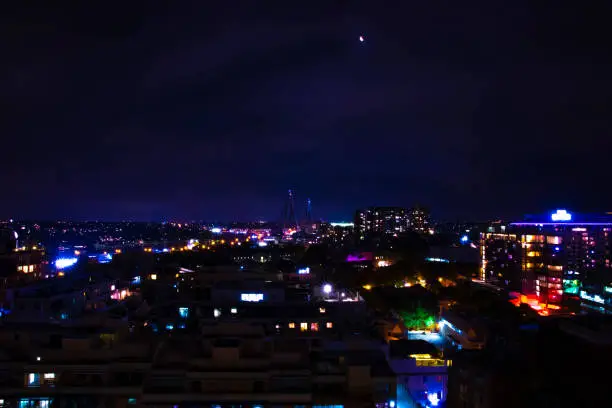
[[33, 402], [33, 380], [233, 310], [251, 297], [30, 268], [533, 253], [153, 277], [321, 310], [329, 325], [303, 326], [49, 379], [314, 326], [554, 240], [292, 325]]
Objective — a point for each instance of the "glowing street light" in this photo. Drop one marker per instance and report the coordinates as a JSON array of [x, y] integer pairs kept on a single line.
[[327, 288]]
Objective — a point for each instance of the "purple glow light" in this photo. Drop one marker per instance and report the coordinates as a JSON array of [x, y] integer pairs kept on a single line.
[[362, 257], [561, 223]]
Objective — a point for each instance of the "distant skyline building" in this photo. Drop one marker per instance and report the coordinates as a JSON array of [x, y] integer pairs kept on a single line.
[[556, 257], [381, 220], [419, 219]]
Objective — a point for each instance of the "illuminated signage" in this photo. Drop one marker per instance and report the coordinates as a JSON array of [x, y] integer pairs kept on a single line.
[[304, 271], [561, 215], [593, 298], [251, 297]]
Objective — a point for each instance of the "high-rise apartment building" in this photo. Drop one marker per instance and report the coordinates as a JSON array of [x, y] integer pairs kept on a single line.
[[381, 220], [560, 256], [418, 218]]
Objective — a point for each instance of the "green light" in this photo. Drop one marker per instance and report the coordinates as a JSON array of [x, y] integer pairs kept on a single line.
[[420, 319], [571, 287]]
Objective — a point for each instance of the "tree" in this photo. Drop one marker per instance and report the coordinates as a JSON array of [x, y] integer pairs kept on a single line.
[[420, 319]]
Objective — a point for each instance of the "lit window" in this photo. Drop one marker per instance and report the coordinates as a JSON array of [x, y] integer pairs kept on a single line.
[[49, 376], [314, 326], [303, 326], [33, 380], [153, 277], [329, 325], [234, 310], [292, 325], [31, 268], [321, 310]]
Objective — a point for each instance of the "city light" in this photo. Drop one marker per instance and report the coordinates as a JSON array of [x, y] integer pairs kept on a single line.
[[593, 298], [251, 297], [437, 260], [62, 263], [216, 230], [327, 288], [561, 215], [433, 399], [304, 271], [342, 224]]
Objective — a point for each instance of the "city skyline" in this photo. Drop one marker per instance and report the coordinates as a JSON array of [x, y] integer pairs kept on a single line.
[[198, 112]]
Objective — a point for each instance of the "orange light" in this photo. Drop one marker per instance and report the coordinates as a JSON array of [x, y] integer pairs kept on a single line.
[[117, 251]]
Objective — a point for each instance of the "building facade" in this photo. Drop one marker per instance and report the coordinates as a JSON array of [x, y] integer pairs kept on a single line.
[[419, 220], [381, 220], [554, 258]]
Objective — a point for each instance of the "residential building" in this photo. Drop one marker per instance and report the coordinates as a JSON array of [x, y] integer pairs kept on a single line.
[[559, 257], [381, 220]]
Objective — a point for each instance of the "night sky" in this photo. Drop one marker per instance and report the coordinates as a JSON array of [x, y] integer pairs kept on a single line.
[[155, 110]]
